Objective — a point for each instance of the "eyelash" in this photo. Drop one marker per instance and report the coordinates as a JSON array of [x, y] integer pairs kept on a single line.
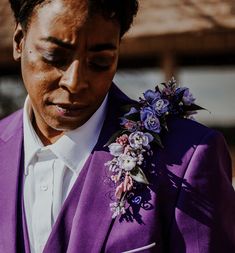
[[98, 67], [59, 63], [50, 59]]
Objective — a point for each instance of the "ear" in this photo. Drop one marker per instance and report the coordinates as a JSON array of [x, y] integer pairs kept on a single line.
[[18, 38]]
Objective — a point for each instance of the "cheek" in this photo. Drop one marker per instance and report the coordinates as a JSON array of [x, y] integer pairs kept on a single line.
[[100, 82], [38, 78]]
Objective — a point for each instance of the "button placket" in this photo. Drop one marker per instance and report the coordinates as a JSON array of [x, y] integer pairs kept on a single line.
[[42, 208]]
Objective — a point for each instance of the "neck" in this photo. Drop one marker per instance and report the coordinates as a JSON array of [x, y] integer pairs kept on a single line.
[[46, 137]]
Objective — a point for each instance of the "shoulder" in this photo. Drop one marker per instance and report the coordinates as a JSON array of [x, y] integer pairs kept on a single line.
[[16, 116], [188, 133], [188, 144], [10, 124], [188, 130]]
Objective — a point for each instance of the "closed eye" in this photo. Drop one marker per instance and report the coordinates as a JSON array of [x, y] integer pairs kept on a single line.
[[99, 66]]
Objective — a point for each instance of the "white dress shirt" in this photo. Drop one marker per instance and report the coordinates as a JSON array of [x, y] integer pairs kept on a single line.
[[51, 171]]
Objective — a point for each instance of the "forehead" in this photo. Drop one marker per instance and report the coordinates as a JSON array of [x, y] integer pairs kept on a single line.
[[66, 19], [69, 11]]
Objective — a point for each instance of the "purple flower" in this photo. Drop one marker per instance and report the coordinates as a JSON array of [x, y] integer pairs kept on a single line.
[[129, 124], [179, 90], [188, 98], [161, 106], [139, 139], [168, 91], [132, 110], [151, 122], [151, 96]]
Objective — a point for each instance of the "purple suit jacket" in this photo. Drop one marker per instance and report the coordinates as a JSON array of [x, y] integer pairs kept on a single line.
[[189, 207]]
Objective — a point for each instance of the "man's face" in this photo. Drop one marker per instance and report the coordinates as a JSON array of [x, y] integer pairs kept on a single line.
[[68, 63]]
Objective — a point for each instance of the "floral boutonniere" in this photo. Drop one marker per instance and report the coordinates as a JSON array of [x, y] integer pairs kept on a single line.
[[140, 129]]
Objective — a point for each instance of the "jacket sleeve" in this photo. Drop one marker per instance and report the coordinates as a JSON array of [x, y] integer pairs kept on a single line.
[[204, 215]]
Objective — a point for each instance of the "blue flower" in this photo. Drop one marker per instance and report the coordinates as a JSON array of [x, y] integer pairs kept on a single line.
[[161, 106], [151, 96], [129, 124], [187, 96], [179, 91], [132, 110], [139, 139], [151, 122]]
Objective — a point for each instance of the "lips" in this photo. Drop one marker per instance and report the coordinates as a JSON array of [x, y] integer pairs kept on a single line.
[[68, 109]]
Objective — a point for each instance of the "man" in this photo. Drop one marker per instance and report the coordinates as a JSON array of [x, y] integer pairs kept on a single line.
[[53, 185]]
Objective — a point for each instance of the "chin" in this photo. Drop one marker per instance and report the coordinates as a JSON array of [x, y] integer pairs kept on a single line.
[[67, 125]]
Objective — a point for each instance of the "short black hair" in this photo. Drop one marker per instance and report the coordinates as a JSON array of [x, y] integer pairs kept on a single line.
[[123, 11]]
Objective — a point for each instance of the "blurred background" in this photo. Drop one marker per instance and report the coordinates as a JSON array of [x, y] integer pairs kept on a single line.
[[192, 40]]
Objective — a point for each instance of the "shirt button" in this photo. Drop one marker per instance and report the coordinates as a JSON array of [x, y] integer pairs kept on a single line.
[[44, 187], [30, 167]]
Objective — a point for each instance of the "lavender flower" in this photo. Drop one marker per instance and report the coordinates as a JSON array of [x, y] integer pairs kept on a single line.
[[151, 96], [139, 139], [151, 122], [132, 110], [129, 124], [188, 98], [161, 106]]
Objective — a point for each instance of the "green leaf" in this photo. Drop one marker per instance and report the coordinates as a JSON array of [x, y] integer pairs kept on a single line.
[[164, 123], [114, 137], [157, 139], [134, 116], [192, 107], [127, 108], [138, 175]]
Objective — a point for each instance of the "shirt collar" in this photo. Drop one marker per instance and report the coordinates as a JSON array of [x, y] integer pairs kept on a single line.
[[32, 143], [73, 147]]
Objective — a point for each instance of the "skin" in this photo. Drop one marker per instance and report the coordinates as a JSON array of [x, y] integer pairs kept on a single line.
[[68, 61]]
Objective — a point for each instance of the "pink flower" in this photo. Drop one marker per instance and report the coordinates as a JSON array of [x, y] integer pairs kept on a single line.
[[127, 149], [125, 186], [130, 125], [168, 91], [123, 140]]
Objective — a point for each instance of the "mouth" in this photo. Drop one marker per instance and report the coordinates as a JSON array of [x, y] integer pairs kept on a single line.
[[68, 110]]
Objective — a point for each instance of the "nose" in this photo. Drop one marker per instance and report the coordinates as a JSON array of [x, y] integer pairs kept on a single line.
[[70, 78]]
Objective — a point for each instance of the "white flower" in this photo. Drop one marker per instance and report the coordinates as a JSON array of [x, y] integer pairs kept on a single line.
[[116, 149], [127, 162], [140, 159], [117, 208], [139, 139]]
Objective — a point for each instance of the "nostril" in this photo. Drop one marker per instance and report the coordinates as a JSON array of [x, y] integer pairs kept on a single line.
[[70, 78]]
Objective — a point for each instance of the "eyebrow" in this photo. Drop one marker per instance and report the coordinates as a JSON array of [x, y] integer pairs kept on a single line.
[[93, 48]]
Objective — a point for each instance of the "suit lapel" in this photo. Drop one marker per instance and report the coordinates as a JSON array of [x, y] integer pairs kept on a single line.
[[85, 217], [10, 157]]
